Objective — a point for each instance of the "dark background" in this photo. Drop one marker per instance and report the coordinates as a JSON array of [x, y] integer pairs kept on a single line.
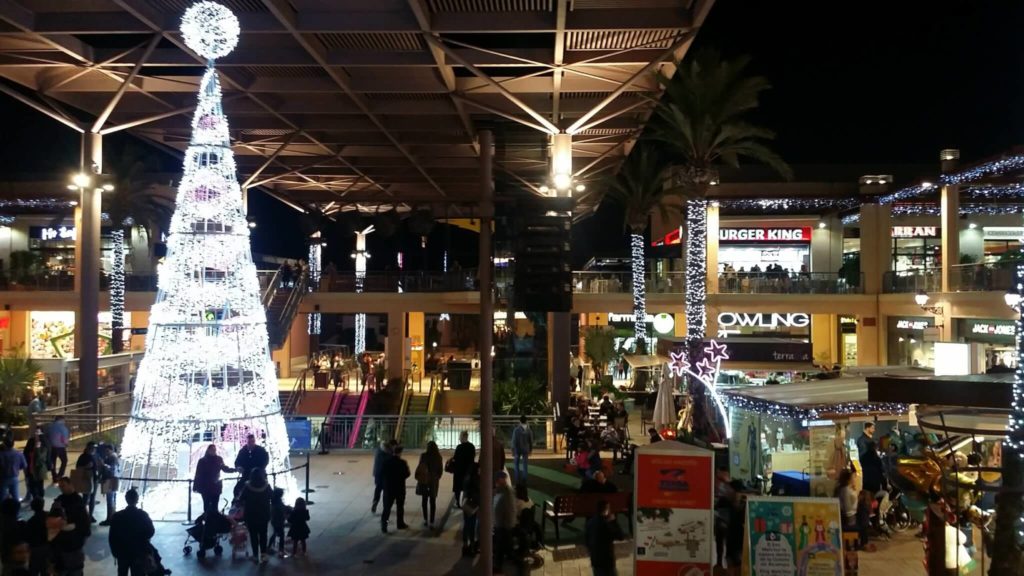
[[882, 82]]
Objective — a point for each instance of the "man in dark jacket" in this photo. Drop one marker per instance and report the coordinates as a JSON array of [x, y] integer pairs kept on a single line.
[[251, 457], [380, 456], [396, 470], [74, 509], [599, 484], [130, 533], [601, 533]]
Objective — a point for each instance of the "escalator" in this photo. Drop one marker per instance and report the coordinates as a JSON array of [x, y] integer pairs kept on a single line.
[[413, 424], [282, 304]]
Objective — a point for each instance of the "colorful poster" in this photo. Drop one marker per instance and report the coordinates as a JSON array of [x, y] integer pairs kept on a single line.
[[674, 526], [745, 461], [794, 537]]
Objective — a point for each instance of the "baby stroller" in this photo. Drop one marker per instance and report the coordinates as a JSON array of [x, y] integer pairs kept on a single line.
[[207, 533]]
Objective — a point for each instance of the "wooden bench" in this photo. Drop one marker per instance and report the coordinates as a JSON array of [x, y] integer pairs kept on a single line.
[[569, 506]]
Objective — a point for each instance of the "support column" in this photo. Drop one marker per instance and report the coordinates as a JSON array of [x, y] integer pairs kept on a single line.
[[949, 206], [949, 218], [875, 245], [87, 273], [712, 258], [558, 359], [486, 565], [396, 345], [827, 246]]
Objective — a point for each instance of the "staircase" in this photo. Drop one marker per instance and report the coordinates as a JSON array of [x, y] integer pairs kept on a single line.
[[282, 304], [349, 405]]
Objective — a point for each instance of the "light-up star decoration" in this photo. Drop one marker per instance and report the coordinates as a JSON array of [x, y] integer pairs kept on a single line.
[[679, 364], [707, 370]]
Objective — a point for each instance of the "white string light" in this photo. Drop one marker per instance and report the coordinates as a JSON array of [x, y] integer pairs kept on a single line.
[[117, 288], [207, 376], [696, 270], [315, 271], [361, 256], [636, 244]]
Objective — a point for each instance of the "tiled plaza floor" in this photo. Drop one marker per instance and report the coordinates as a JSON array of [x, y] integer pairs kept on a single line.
[[346, 537]]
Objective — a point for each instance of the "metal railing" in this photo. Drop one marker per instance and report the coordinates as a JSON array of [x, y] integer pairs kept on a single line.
[[589, 282], [993, 276], [787, 283], [298, 390], [452, 281], [912, 281], [278, 327]]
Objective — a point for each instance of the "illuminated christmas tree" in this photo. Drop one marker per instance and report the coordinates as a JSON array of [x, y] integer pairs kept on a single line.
[[207, 376]]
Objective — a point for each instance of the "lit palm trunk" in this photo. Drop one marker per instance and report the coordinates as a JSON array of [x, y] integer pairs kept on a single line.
[[636, 243], [117, 281], [696, 270]]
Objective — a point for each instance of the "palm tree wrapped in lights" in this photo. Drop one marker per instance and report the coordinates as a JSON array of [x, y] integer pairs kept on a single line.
[[641, 188], [701, 118], [1008, 548]]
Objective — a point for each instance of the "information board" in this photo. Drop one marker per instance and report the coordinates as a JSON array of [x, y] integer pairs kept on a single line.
[[673, 517], [794, 537]]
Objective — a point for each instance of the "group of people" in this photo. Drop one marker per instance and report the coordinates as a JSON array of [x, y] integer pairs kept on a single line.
[[774, 278], [255, 502], [871, 501], [608, 431]]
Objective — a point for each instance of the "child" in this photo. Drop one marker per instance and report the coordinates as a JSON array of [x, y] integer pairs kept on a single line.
[[299, 522], [278, 512]]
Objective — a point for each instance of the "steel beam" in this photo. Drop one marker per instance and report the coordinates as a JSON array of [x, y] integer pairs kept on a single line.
[[40, 108], [269, 160], [102, 118]]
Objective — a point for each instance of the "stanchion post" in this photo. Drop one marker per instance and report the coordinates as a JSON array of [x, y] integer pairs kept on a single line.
[[188, 497], [308, 489]]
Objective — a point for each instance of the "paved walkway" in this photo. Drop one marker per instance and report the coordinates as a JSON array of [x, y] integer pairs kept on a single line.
[[346, 537]]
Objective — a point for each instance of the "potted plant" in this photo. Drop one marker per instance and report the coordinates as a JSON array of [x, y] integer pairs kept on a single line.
[[17, 374]]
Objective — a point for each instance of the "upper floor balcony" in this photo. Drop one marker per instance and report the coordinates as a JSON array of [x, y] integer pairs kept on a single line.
[[731, 283], [987, 277]]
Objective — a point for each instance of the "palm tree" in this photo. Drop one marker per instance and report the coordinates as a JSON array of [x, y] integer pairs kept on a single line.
[[639, 189], [134, 201], [701, 118]]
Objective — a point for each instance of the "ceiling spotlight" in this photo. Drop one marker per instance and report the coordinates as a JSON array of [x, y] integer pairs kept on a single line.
[[73, 203], [581, 187], [72, 187], [715, 203], [108, 187], [822, 225], [972, 226], [543, 189], [252, 224], [81, 180], [714, 182], [926, 184], [562, 181]]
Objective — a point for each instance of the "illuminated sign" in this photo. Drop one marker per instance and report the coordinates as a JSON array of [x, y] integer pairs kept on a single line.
[[906, 324], [1003, 232], [664, 323], [802, 234], [992, 329], [762, 320], [671, 239], [61, 233], [915, 232], [613, 317]]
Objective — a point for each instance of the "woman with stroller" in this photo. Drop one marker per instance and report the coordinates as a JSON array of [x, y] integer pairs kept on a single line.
[[207, 480]]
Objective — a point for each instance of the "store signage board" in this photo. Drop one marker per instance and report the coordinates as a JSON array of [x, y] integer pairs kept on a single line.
[[915, 231], [764, 320], [952, 359], [615, 317], [771, 350], [759, 235], [673, 488], [906, 324], [987, 329], [51, 233], [787, 535], [1002, 232]]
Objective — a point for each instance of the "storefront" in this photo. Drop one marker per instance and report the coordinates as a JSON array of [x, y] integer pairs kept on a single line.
[[52, 333], [996, 338], [848, 340], [916, 248], [765, 347], [55, 247], [1001, 242], [756, 249], [910, 341]]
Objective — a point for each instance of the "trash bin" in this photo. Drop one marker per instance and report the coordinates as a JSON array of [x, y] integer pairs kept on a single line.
[[459, 375]]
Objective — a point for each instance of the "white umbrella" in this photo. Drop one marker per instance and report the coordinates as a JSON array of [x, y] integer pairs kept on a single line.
[[664, 406]]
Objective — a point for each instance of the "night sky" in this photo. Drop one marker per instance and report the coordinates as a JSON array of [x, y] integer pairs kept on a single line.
[[881, 82]]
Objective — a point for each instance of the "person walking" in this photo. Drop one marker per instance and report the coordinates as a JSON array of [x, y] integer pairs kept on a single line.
[[207, 479], [58, 435], [465, 455], [601, 533], [130, 532], [256, 498], [522, 446], [12, 463], [381, 453], [470, 509], [37, 460], [110, 469], [428, 480], [395, 470], [504, 507], [33, 409], [84, 477]]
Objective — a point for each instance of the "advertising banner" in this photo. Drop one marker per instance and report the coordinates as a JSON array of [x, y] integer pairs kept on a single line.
[[794, 537], [673, 523]]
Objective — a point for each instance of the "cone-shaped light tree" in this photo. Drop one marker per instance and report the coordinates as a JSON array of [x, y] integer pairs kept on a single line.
[[207, 377]]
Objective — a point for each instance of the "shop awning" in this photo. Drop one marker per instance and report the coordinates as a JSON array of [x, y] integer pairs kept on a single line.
[[975, 390], [645, 361], [847, 395]]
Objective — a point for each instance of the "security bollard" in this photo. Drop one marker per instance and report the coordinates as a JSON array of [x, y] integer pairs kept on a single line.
[[308, 490]]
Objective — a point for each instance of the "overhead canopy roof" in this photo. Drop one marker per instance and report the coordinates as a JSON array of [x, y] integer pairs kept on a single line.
[[333, 102]]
